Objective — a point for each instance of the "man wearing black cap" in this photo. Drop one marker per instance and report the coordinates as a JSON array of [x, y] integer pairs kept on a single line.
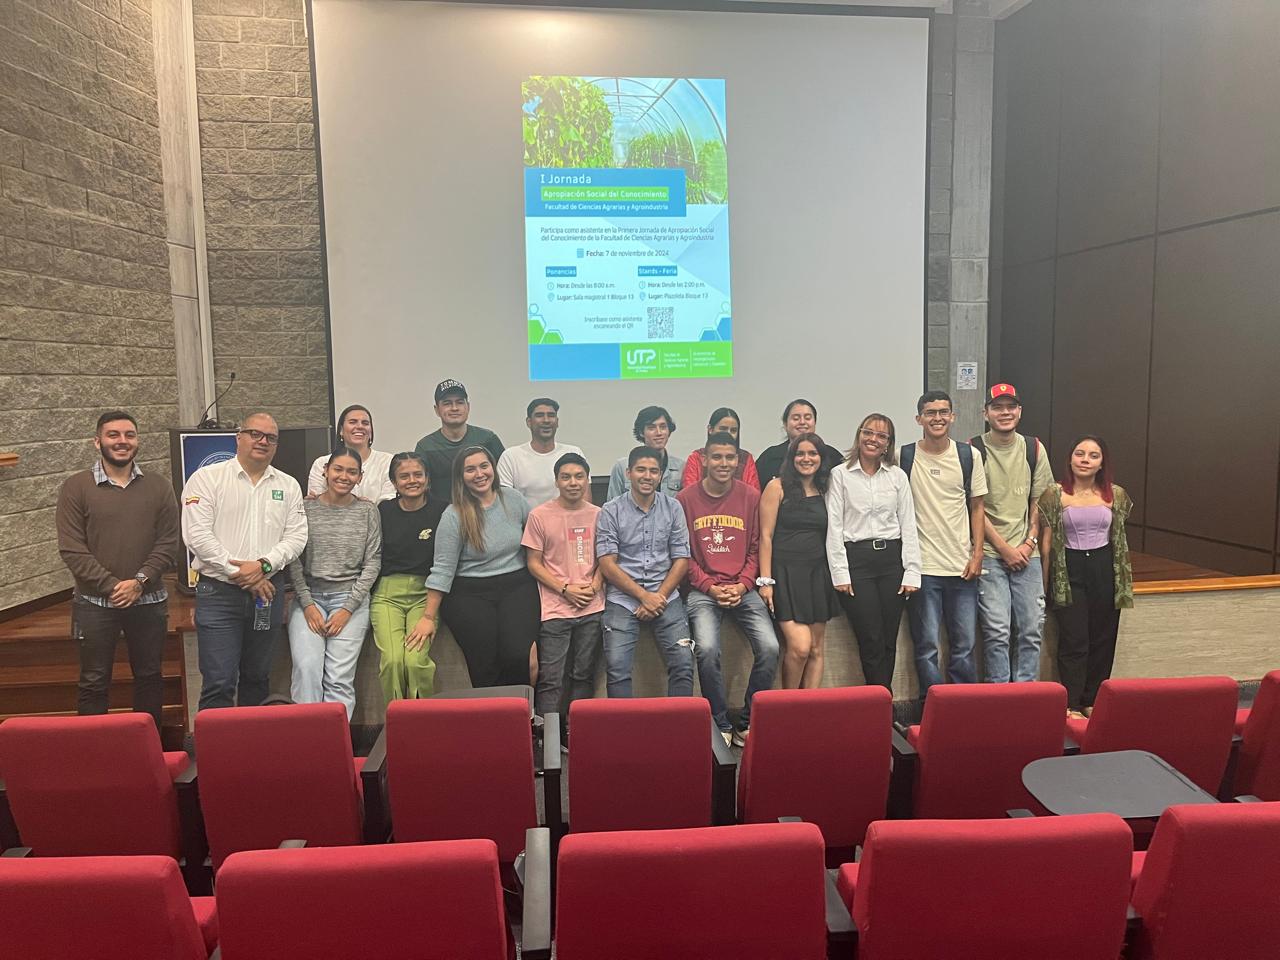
[[439, 448], [1011, 592]]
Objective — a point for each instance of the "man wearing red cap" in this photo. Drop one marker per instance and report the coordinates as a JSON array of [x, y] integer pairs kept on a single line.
[[1011, 591]]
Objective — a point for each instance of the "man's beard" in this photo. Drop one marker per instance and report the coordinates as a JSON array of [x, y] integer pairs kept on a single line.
[[106, 455]]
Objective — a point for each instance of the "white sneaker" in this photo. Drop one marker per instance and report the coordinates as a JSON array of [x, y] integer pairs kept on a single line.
[[740, 737], [728, 738]]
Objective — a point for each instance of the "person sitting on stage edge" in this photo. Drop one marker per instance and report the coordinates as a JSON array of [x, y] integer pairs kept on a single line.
[[531, 467], [439, 448]]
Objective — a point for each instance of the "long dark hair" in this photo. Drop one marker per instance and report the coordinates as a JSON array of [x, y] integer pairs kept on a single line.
[[792, 484], [1103, 479], [470, 514]]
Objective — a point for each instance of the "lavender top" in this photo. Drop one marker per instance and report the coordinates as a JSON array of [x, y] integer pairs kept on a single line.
[[1087, 528]]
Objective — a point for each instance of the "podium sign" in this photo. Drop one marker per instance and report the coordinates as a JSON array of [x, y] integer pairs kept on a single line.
[[196, 449]]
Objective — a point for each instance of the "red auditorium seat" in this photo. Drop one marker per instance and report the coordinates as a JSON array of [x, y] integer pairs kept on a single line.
[[640, 764], [86, 786], [1186, 721], [461, 769], [821, 755], [405, 901], [257, 763], [107, 908], [1258, 770], [1053, 888], [753, 892], [975, 740], [1209, 885]]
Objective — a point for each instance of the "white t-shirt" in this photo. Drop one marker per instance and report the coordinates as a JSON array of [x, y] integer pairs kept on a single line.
[[532, 473], [375, 485], [941, 510]]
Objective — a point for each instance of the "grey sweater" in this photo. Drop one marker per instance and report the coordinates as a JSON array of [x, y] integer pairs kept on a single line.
[[343, 552], [503, 530]]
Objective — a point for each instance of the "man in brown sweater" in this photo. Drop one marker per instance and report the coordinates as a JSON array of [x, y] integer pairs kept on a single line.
[[118, 533]]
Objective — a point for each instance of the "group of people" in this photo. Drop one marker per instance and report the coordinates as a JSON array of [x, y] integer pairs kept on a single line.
[[536, 582]]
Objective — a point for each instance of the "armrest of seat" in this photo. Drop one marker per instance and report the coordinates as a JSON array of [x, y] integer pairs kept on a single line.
[[724, 770], [551, 772], [1247, 798], [373, 781], [903, 779], [1229, 774], [841, 931], [1021, 813], [535, 924], [1069, 747], [16, 853], [8, 829], [196, 870]]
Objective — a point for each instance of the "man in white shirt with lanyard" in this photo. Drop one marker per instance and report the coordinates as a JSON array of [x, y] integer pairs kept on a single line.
[[243, 521]]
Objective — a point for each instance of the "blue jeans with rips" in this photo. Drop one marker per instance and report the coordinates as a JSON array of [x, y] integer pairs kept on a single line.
[[1011, 607], [670, 631]]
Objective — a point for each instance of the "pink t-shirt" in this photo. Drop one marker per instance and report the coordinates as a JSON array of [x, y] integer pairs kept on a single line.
[[567, 539]]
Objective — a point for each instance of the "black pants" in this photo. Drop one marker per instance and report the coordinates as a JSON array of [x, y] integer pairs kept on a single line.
[[1087, 628], [875, 609], [145, 627], [495, 621]]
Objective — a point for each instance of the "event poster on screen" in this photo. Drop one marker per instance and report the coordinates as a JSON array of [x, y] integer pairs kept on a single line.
[[626, 196]]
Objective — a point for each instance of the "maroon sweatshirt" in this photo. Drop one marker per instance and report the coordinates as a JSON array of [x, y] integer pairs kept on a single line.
[[724, 536]]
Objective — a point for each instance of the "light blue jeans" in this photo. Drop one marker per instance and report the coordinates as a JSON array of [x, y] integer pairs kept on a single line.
[[955, 599], [324, 668], [752, 618], [670, 632], [1011, 605]]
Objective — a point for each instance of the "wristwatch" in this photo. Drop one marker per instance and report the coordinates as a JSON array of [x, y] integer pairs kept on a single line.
[[266, 565], [1034, 541], [142, 579]]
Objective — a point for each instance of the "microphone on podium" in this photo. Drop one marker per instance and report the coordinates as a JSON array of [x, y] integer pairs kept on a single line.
[[205, 422]]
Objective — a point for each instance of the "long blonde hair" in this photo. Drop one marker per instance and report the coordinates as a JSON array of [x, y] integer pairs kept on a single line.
[[470, 513]]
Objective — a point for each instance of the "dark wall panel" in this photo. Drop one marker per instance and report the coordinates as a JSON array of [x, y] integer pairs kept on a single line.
[[1219, 113], [1236, 561], [1215, 405], [1102, 335], [1026, 347], [1110, 116], [1031, 160]]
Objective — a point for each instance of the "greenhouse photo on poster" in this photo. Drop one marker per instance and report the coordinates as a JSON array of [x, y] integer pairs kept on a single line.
[[626, 194]]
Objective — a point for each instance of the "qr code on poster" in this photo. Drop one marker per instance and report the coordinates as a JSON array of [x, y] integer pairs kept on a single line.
[[661, 322]]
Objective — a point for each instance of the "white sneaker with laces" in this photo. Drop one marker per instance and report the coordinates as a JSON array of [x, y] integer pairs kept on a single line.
[[740, 737], [728, 738]]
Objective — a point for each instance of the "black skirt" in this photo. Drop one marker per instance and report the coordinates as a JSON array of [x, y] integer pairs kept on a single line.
[[804, 592]]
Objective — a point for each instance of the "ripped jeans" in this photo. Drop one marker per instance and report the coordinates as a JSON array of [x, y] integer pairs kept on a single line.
[[670, 632]]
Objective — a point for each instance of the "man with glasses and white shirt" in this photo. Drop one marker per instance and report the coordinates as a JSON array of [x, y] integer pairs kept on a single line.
[[243, 521]]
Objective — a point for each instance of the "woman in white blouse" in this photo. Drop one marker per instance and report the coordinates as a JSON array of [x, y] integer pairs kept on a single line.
[[355, 430], [872, 547]]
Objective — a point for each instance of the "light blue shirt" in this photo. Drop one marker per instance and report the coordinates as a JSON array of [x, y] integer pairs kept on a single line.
[[620, 483], [645, 542]]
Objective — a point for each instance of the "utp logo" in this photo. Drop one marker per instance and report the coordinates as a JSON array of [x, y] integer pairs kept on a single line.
[[641, 357]]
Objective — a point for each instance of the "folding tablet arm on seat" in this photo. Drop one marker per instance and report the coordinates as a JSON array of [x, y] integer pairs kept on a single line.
[[724, 769], [8, 829], [841, 932], [533, 870], [196, 868], [551, 769], [373, 781]]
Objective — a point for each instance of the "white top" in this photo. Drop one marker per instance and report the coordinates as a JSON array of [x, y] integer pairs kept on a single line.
[[225, 517], [876, 507], [375, 484], [533, 473]]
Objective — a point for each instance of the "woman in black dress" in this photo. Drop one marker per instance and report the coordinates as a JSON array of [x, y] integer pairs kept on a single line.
[[795, 580]]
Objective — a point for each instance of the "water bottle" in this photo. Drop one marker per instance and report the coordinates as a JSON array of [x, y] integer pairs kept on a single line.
[[261, 614]]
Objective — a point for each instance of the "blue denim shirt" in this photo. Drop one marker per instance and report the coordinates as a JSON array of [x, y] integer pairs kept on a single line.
[[645, 543]]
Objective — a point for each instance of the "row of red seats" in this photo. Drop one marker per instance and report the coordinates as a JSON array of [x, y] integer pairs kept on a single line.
[[454, 769], [1056, 888]]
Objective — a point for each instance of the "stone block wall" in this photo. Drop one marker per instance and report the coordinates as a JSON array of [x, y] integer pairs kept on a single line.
[[262, 209], [85, 316]]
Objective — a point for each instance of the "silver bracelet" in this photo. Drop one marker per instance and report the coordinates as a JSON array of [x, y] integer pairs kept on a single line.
[[765, 581]]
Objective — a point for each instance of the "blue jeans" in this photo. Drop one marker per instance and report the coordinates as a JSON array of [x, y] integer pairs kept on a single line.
[[1011, 604], [752, 618], [957, 600], [670, 631], [235, 659], [324, 668]]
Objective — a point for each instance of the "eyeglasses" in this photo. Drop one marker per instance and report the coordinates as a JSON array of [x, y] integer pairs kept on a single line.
[[257, 436], [875, 435], [935, 414]]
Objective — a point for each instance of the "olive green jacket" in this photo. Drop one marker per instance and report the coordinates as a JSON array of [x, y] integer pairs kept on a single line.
[[1059, 583]]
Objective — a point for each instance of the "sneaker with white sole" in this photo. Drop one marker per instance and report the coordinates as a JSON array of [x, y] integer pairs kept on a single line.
[[740, 737], [728, 738]]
